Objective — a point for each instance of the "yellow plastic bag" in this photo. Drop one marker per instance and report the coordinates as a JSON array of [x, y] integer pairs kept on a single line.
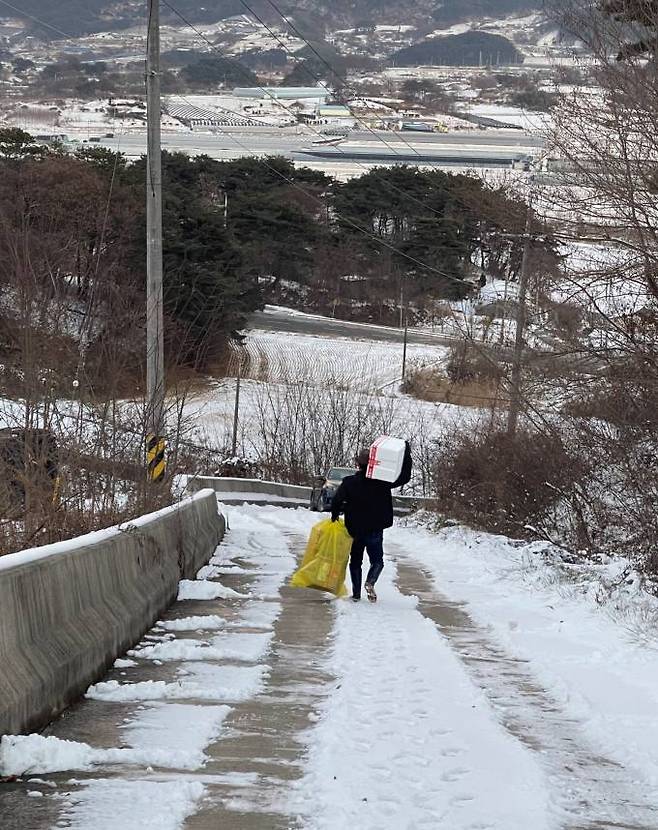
[[325, 559]]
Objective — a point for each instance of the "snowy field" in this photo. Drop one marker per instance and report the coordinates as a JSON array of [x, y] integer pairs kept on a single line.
[[275, 366], [604, 279], [361, 364], [492, 687]]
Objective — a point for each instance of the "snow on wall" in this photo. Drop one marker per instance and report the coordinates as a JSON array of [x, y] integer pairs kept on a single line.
[[68, 610]]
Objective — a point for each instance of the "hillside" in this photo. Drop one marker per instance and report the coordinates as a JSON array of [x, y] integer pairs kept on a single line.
[[81, 16], [455, 11], [466, 49]]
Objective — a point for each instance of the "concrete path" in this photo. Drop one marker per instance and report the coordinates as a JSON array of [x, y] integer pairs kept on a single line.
[[253, 706]]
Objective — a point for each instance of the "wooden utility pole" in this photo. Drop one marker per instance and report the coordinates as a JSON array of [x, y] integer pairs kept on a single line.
[[515, 400], [404, 321], [155, 372]]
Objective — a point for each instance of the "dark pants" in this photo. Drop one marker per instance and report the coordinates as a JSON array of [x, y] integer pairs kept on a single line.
[[374, 544]]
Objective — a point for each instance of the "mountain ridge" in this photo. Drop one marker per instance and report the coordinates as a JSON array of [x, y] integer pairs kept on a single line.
[[79, 17]]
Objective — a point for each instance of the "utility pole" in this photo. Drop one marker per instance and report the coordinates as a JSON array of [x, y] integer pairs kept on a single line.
[[155, 380], [236, 410], [515, 401], [404, 319]]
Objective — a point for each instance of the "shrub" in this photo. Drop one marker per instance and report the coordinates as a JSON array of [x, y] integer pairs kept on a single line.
[[500, 483], [567, 318], [469, 363]]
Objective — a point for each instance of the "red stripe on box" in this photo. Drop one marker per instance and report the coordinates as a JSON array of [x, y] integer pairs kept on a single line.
[[372, 459]]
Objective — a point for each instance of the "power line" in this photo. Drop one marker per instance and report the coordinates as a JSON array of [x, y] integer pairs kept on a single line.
[[343, 81], [373, 171], [505, 377], [344, 219], [22, 13], [280, 104], [299, 35], [327, 64], [291, 182]]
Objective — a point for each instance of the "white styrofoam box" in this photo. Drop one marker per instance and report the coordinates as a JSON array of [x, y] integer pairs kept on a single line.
[[386, 457]]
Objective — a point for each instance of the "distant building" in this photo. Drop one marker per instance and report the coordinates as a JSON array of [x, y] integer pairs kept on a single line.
[[193, 116], [126, 108], [332, 116], [51, 138], [334, 111]]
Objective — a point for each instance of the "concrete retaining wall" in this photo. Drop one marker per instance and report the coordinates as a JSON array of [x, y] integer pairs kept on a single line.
[[255, 491], [252, 491], [68, 610]]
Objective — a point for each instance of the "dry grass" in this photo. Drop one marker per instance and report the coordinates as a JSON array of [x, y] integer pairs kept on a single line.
[[431, 384]]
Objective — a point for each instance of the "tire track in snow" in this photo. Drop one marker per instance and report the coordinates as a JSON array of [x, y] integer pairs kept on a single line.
[[265, 738], [591, 791], [276, 358]]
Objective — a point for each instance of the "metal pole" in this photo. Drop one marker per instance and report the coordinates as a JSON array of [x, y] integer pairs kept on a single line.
[[155, 381], [504, 314], [236, 411], [405, 309], [515, 402]]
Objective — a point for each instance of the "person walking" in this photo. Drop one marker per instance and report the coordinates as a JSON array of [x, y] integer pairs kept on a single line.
[[368, 507]]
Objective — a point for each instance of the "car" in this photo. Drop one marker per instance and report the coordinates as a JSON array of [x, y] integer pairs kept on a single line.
[[325, 486]]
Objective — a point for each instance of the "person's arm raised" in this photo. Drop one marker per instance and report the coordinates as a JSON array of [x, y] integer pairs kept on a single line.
[[405, 472]]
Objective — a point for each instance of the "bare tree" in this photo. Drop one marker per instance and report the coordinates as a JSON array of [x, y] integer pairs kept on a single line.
[[596, 412]]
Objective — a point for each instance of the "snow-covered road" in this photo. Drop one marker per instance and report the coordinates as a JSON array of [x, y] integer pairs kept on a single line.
[[482, 692]]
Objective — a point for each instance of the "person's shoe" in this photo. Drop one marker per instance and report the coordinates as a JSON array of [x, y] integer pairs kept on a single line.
[[370, 591], [356, 599]]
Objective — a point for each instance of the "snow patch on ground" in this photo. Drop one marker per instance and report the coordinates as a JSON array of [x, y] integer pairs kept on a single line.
[[578, 627], [210, 622], [29, 754], [247, 648], [108, 804], [199, 589], [176, 730], [201, 682]]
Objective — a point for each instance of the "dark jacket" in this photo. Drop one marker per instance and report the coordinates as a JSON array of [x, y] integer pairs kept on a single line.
[[367, 502]]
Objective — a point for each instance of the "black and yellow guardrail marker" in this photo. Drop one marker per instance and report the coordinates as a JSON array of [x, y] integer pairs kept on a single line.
[[155, 457]]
